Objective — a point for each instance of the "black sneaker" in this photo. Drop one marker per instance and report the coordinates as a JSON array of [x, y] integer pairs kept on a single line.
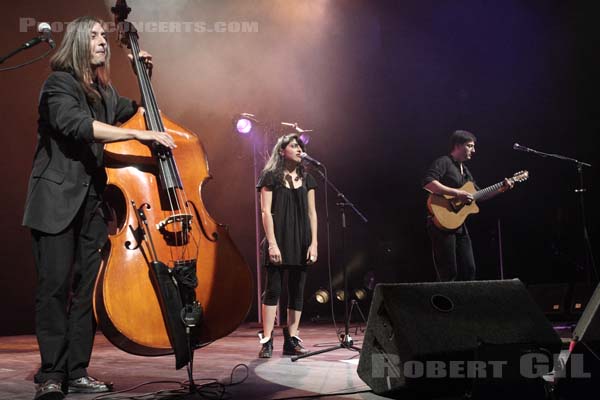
[[266, 350], [292, 345], [87, 384]]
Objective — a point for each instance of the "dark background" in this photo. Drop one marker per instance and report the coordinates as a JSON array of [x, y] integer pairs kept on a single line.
[[383, 84]]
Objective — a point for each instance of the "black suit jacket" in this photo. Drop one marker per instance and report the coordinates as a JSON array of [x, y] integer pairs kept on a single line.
[[67, 160]]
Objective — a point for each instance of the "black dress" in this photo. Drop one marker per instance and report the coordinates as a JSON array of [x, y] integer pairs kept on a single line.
[[291, 225]]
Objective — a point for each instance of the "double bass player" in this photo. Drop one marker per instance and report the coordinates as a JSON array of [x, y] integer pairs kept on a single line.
[[78, 111]]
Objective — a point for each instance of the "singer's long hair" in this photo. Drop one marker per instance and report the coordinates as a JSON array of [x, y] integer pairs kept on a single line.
[[74, 56], [276, 162]]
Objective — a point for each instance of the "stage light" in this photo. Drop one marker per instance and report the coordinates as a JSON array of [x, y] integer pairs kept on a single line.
[[360, 294], [305, 138], [243, 126], [244, 123], [339, 294], [321, 296]]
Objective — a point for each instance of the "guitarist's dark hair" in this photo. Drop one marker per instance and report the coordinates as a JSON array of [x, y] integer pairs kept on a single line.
[[461, 137]]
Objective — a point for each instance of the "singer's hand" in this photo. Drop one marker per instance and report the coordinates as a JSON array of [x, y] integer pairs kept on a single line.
[[275, 255], [311, 254], [464, 196]]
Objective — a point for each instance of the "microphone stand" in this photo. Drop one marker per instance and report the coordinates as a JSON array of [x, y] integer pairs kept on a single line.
[[343, 202], [590, 262], [12, 53], [24, 46]]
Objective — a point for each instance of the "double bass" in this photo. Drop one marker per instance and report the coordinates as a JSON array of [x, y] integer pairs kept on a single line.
[[164, 186]]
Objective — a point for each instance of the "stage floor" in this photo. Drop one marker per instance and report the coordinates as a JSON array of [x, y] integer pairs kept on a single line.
[[273, 378]]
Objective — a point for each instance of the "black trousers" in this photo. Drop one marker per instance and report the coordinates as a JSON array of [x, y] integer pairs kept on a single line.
[[67, 266], [296, 281], [452, 253]]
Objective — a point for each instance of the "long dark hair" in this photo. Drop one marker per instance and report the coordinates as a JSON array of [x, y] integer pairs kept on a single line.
[[276, 162], [74, 55]]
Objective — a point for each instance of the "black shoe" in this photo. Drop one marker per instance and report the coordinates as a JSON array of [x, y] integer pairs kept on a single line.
[[49, 390], [292, 345], [266, 350], [87, 384]]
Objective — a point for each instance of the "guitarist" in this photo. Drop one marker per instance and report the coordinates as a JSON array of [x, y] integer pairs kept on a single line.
[[452, 250]]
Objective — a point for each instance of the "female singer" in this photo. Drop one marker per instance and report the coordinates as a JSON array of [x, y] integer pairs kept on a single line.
[[289, 216]]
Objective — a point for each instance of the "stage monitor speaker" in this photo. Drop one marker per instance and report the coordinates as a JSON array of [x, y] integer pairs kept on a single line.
[[581, 374], [455, 338]]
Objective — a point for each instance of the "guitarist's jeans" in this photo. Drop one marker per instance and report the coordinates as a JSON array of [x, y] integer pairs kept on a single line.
[[452, 253]]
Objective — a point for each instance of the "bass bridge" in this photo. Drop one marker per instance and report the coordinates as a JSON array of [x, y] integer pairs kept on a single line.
[[176, 229]]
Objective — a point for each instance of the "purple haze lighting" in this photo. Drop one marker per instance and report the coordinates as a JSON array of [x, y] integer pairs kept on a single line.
[[305, 137], [243, 126]]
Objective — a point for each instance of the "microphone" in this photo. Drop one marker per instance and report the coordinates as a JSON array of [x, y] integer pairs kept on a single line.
[[308, 158], [45, 30], [517, 146]]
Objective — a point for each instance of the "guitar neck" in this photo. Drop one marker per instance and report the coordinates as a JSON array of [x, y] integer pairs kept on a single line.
[[483, 194]]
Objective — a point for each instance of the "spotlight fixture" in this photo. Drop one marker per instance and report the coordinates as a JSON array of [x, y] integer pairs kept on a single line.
[[305, 138], [321, 296], [339, 294], [244, 122], [360, 294]]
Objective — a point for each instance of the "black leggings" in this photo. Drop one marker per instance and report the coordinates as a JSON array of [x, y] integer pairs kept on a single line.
[[296, 281]]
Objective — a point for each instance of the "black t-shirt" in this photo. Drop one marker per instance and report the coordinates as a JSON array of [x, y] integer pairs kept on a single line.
[[291, 224], [446, 170]]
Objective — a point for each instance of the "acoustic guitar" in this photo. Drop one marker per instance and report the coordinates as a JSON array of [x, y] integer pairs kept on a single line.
[[449, 213]]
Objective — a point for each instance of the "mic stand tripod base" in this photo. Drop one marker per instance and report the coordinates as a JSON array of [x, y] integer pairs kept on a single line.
[[354, 303], [346, 343]]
